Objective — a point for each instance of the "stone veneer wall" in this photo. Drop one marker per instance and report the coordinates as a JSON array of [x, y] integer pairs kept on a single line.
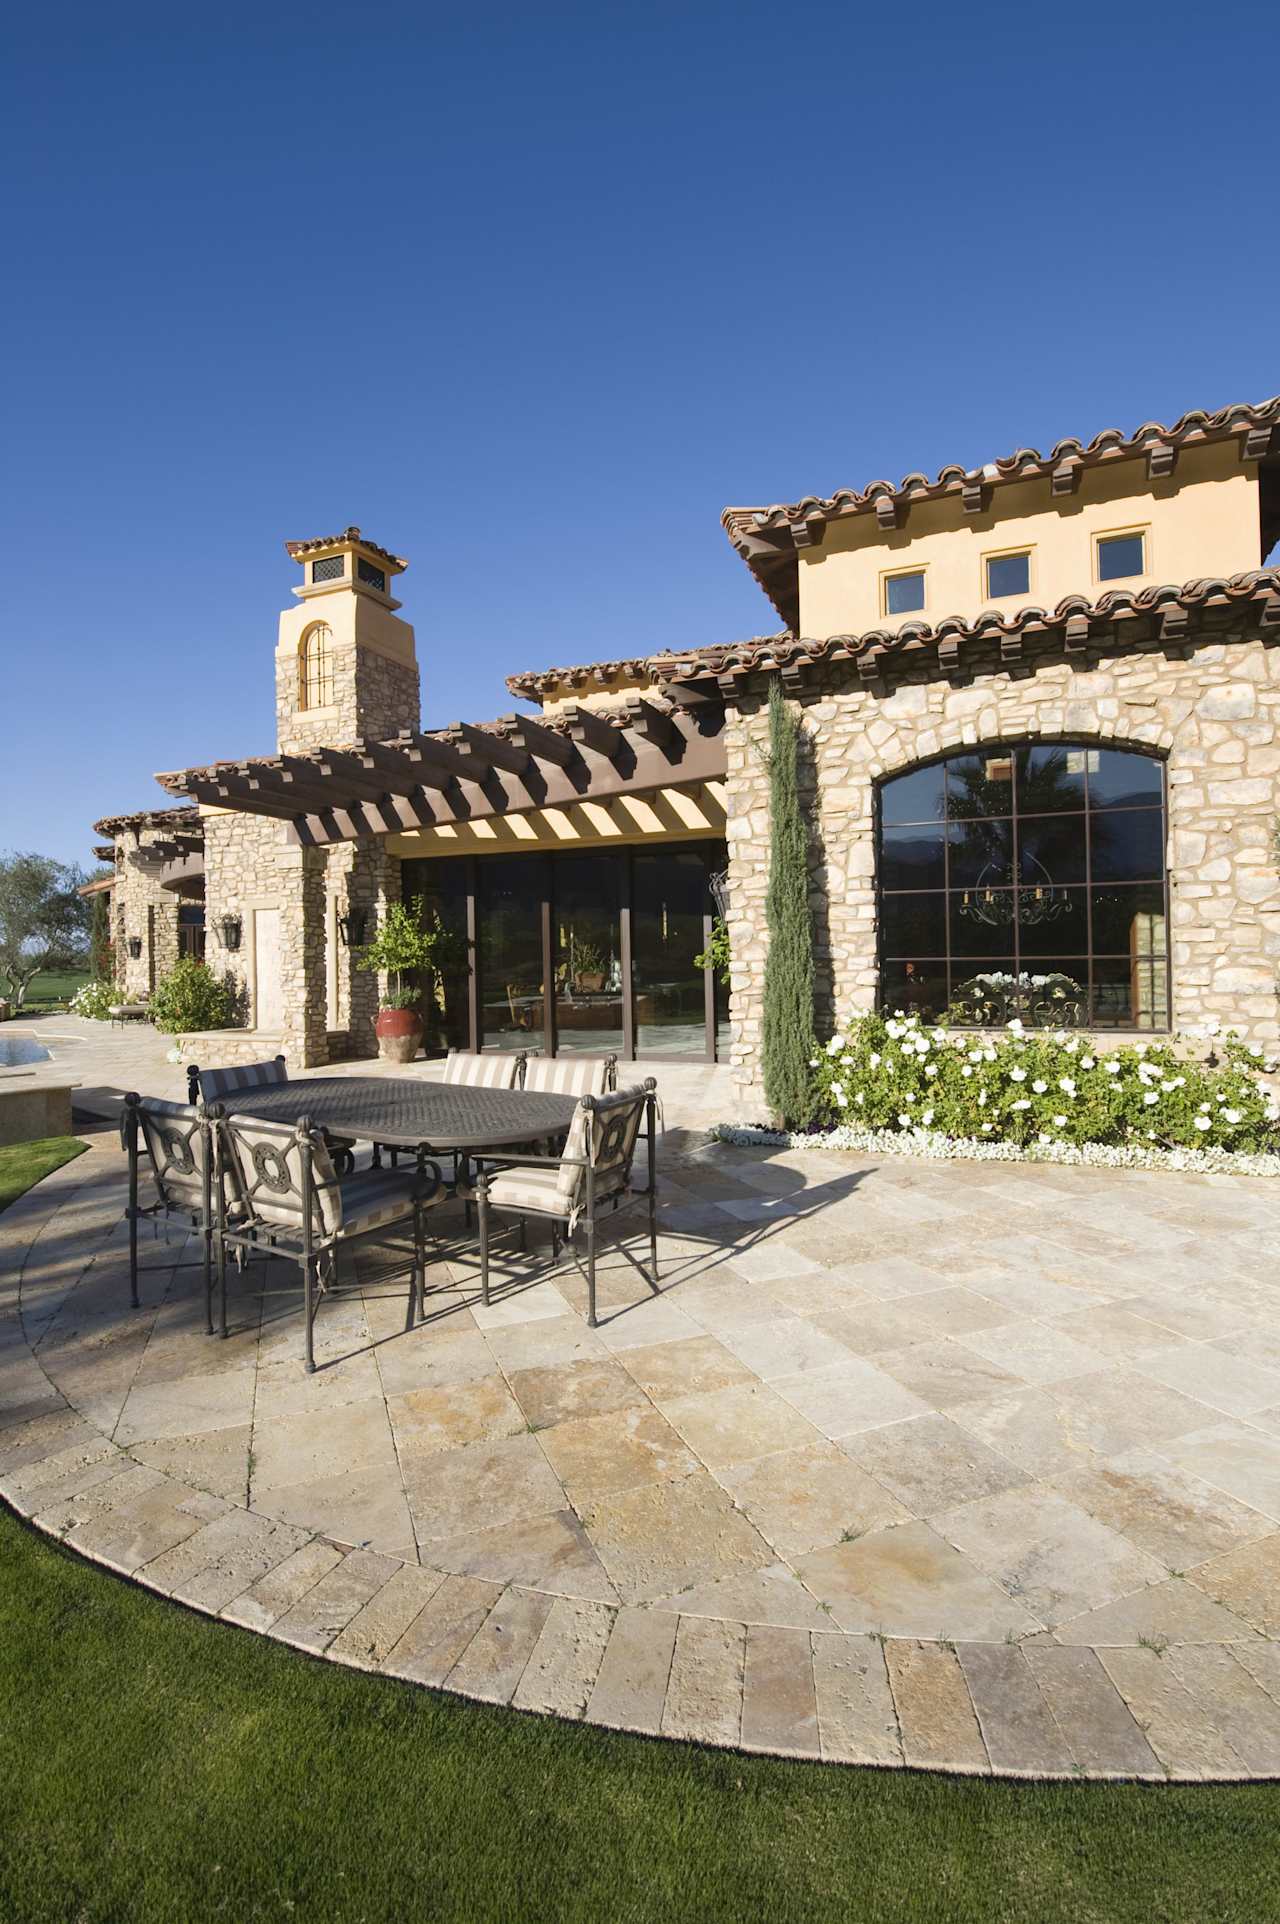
[[373, 699], [1214, 714], [251, 863], [142, 908]]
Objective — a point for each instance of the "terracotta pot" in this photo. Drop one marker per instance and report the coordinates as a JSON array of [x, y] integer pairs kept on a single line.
[[399, 1033]]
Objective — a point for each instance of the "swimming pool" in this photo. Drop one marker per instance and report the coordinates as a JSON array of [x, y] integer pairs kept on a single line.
[[16, 1049]]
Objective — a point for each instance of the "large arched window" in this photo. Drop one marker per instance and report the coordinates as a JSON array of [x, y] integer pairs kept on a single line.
[[1026, 879], [315, 667]]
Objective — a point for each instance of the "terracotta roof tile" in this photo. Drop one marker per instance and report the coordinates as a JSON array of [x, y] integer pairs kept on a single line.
[[187, 819], [1170, 612], [301, 549], [767, 537]]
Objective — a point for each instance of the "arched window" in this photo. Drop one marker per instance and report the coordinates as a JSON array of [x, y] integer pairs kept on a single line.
[[1026, 879], [315, 667]]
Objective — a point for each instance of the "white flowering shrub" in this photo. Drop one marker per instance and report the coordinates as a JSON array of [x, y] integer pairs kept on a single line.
[[94, 1000], [1037, 1088]]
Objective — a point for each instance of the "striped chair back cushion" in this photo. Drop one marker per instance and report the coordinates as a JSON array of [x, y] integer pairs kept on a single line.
[[482, 1072], [214, 1083], [267, 1162], [174, 1139], [570, 1075], [606, 1134]]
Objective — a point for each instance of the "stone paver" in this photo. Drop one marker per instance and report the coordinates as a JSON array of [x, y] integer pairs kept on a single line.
[[975, 1469]]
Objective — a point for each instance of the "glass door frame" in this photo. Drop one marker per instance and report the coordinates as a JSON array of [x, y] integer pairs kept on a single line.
[[542, 870]]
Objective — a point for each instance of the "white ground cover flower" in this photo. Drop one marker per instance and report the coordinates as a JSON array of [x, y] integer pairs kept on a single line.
[[1025, 1103], [1059, 1122], [1112, 1067], [1204, 1122], [1067, 1085], [967, 1069], [1017, 1075], [1039, 1086]]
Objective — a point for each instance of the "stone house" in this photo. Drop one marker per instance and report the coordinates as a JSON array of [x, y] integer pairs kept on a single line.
[[1041, 729]]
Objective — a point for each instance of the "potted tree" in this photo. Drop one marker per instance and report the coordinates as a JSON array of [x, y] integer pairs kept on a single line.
[[406, 944]]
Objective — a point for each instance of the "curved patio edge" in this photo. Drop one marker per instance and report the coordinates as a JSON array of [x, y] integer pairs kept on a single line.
[[1035, 1708]]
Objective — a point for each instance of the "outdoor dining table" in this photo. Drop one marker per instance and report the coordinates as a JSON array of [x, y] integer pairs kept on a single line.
[[408, 1114]]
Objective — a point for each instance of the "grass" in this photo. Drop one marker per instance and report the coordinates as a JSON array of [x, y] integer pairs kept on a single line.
[[49, 991], [155, 1766], [22, 1164]]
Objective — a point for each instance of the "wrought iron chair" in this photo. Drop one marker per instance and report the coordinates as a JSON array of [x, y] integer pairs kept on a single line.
[[571, 1075], [593, 1170], [210, 1085], [291, 1203], [175, 1139]]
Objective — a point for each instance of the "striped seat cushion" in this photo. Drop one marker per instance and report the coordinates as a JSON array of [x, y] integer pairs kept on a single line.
[[538, 1192], [481, 1072], [378, 1196]]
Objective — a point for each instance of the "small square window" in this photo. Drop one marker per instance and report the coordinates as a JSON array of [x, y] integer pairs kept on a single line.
[[1008, 574], [1120, 555], [904, 594], [330, 569], [376, 577]]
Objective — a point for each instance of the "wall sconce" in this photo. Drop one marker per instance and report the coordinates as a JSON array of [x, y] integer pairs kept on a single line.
[[719, 887], [135, 946], [229, 928], [351, 928]]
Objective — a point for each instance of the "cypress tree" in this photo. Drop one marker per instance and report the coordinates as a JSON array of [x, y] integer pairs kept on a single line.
[[788, 1044]]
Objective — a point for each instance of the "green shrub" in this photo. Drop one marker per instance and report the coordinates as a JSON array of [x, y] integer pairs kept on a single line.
[[94, 1000], [1031, 1087], [192, 997]]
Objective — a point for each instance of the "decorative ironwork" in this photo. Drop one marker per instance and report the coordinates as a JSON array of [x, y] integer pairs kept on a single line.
[[373, 577], [178, 1154], [991, 1000], [1038, 904], [230, 929], [332, 568], [271, 1168]]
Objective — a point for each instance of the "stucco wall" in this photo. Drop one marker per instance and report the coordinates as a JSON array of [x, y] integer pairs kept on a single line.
[[1202, 520], [1216, 717]]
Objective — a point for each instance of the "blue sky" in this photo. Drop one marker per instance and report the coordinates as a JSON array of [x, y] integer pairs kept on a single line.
[[531, 294]]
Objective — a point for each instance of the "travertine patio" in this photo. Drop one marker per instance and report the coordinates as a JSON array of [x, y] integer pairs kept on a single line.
[[967, 1466]]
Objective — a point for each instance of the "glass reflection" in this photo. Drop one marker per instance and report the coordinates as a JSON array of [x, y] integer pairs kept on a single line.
[[914, 797], [1128, 846], [913, 857], [914, 924], [980, 784], [588, 955], [670, 902], [981, 852], [511, 890]]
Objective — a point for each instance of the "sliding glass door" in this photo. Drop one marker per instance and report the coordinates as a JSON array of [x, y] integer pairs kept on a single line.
[[581, 954]]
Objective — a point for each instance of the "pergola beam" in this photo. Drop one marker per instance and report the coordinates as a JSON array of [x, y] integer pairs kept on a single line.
[[485, 751], [544, 744]]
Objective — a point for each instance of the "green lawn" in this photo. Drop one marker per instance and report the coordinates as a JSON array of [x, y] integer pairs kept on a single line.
[[155, 1766], [24, 1163], [49, 991]]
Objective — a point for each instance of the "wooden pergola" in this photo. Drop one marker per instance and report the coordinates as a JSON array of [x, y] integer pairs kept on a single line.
[[467, 772]]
